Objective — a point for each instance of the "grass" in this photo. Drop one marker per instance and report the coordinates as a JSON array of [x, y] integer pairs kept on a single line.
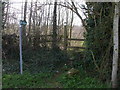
[[50, 80], [26, 80], [77, 81]]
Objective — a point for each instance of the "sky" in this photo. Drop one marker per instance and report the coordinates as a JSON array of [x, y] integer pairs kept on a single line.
[[17, 8]]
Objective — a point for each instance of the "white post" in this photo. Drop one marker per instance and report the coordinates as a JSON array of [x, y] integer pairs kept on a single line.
[[116, 46], [20, 45]]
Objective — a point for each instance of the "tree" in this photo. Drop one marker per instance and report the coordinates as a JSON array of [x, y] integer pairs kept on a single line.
[[29, 27], [78, 14], [98, 38], [73, 7], [1, 14], [71, 26], [24, 28], [0, 43], [116, 46], [5, 8], [54, 36], [34, 24]]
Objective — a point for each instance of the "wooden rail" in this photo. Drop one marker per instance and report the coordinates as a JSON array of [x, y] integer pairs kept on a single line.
[[76, 47], [74, 39]]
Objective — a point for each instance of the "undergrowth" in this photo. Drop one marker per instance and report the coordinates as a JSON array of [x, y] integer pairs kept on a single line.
[[48, 69], [36, 61], [78, 81], [47, 80]]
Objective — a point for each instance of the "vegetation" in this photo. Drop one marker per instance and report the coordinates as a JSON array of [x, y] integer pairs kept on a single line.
[[40, 60], [26, 80], [48, 80], [99, 38], [78, 81], [48, 59]]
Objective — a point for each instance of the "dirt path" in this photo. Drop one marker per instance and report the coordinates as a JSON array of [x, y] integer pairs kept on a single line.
[[53, 82]]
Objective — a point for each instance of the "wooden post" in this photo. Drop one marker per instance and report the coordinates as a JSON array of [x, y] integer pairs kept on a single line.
[[65, 37], [116, 47]]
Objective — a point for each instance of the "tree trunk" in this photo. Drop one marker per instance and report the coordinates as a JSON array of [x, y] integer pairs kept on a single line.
[[5, 13], [71, 26], [24, 28], [116, 47], [78, 14], [59, 9], [34, 26], [1, 16], [0, 43], [29, 28], [54, 36]]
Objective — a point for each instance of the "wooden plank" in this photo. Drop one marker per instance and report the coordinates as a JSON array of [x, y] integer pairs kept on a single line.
[[76, 47], [74, 39], [45, 35]]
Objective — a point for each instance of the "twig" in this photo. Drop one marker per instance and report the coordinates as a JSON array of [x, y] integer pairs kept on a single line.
[[95, 61]]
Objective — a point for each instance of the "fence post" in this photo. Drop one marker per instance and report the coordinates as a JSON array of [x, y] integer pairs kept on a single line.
[[65, 37]]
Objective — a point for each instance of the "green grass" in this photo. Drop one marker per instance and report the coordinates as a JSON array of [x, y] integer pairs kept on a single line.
[[26, 80], [48, 80], [77, 81]]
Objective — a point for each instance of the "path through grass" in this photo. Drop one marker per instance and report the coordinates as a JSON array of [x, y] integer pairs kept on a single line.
[[50, 80]]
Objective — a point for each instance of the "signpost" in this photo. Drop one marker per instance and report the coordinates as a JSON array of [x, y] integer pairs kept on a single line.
[[20, 45]]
